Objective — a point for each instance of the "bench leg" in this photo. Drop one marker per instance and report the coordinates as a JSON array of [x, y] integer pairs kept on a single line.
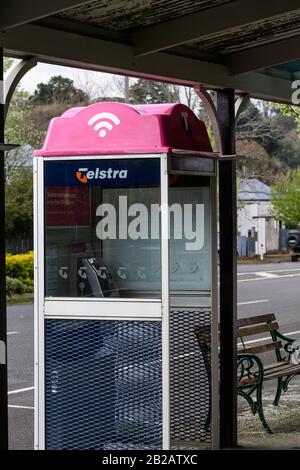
[[260, 410], [278, 392]]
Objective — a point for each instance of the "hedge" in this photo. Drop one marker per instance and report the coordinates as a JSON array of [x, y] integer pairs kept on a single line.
[[20, 267], [15, 286]]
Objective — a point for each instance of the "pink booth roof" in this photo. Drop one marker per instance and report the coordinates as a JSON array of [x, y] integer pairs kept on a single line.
[[109, 128]]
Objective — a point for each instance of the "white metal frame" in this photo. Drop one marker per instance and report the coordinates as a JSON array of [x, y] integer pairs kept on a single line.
[[208, 299], [39, 360], [214, 317], [125, 309], [76, 308], [109, 307], [164, 182], [73, 308]]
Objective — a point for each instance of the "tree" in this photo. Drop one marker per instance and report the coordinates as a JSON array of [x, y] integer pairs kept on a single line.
[[150, 92], [290, 111], [7, 63], [49, 100], [58, 90], [272, 130], [264, 128], [286, 198], [19, 202], [95, 85], [254, 162], [288, 149], [38, 121], [16, 128]]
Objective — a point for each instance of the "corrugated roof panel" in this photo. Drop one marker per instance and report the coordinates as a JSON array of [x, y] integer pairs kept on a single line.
[[127, 15]]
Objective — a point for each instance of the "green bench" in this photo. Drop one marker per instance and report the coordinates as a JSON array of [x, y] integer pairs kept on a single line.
[[251, 370]]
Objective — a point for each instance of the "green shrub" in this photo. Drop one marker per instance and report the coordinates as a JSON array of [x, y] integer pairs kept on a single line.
[[14, 286], [20, 267]]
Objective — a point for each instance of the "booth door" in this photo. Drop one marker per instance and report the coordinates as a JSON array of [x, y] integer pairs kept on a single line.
[[102, 304], [193, 300]]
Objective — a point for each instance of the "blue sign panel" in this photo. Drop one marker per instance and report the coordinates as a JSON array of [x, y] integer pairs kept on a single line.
[[105, 173]]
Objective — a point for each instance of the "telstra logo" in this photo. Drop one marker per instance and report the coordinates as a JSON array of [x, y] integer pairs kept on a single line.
[[84, 174]]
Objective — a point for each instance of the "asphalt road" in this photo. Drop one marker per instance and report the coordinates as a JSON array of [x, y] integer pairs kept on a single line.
[[262, 288], [20, 376], [267, 288]]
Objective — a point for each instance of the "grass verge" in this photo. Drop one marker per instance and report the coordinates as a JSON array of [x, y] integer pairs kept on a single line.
[[20, 299]]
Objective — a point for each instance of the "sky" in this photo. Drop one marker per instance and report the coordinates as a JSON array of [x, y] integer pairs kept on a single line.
[[98, 82], [95, 84]]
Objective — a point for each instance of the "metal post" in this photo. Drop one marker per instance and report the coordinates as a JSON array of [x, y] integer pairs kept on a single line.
[[126, 89], [3, 337], [228, 277]]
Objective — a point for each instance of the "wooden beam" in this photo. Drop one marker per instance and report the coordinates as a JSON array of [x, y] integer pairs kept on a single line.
[[75, 50], [268, 55]]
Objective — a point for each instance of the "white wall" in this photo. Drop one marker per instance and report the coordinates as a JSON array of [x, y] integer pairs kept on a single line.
[[253, 215]]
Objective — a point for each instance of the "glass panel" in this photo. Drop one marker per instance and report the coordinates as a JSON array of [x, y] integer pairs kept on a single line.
[[98, 235], [190, 238]]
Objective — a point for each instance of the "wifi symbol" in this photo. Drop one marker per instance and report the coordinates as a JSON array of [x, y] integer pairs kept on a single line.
[[103, 125]]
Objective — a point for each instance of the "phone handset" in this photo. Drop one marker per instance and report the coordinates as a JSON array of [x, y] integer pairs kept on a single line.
[[102, 271], [63, 272], [99, 277]]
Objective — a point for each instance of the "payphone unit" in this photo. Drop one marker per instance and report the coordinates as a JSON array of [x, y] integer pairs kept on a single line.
[[125, 269]]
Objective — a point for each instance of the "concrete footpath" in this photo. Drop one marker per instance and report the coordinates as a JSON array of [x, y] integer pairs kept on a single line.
[[284, 420], [268, 258]]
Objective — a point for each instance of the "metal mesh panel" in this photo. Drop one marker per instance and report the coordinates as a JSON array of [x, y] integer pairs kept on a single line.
[[190, 388], [103, 384]]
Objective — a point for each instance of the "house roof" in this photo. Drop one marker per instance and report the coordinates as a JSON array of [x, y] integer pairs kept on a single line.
[[254, 190]]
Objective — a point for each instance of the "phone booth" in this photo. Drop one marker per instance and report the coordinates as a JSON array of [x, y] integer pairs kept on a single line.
[[125, 270]]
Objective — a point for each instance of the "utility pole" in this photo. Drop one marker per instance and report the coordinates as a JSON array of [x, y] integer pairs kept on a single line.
[[126, 89]]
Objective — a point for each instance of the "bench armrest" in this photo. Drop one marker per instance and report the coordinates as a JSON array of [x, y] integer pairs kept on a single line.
[[279, 335], [249, 367]]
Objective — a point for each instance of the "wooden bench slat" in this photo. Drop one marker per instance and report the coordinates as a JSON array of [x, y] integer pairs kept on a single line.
[[246, 381], [254, 330], [289, 369], [275, 365], [262, 348], [283, 372], [268, 317], [279, 367]]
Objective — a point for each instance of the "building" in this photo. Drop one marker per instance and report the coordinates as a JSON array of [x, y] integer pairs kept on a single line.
[[258, 230]]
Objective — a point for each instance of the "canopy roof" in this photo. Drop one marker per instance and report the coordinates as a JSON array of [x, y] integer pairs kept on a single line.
[[220, 43]]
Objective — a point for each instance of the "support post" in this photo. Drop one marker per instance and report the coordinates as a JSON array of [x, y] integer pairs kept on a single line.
[[3, 335], [228, 276]]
